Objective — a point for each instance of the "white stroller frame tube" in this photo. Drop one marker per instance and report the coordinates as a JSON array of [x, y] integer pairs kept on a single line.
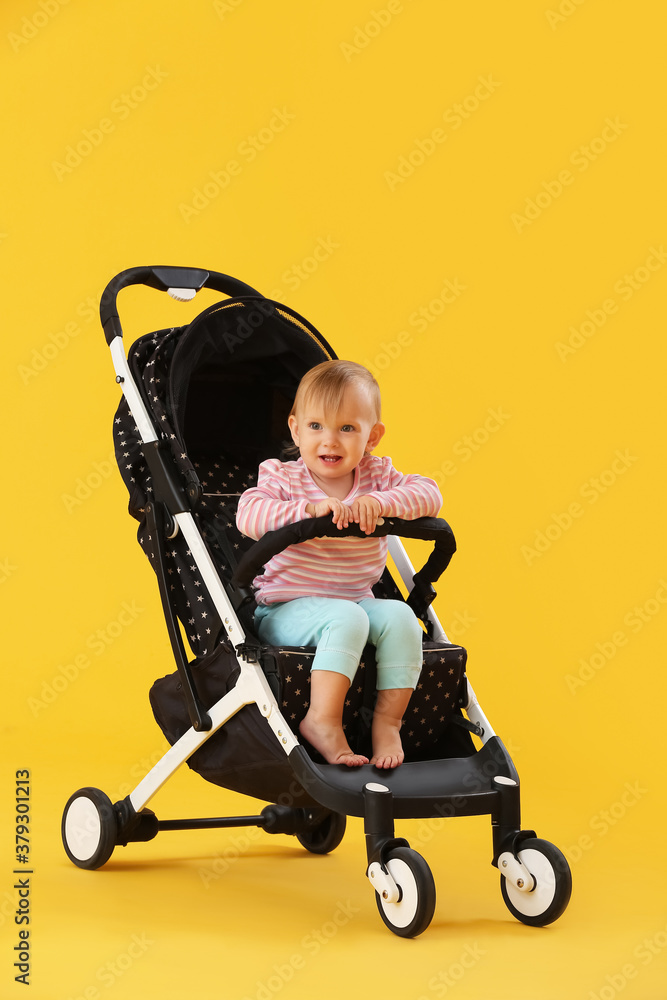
[[251, 688], [407, 572], [130, 391]]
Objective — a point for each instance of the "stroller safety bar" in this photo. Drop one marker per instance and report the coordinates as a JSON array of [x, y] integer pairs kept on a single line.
[[426, 528]]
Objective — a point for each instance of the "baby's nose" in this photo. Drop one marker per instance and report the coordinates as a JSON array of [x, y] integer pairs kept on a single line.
[[331, 436]]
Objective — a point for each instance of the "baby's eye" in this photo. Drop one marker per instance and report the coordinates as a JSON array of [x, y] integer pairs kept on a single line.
[[314, 426], [347, 427]]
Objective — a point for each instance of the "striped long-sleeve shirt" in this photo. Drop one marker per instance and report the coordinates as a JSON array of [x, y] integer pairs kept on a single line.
[[327, 567]]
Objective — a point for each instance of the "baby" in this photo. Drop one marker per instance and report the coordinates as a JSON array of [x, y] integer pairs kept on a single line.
[[318, 593]]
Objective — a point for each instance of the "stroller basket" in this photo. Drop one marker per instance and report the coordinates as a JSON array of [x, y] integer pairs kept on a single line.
[[203, 405]]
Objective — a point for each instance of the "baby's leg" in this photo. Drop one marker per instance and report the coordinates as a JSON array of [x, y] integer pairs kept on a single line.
[[339, 629], [397, 636], [339, 650], [323, 723], [387, 719]]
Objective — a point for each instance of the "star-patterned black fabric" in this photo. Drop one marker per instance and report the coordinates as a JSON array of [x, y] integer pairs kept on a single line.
[[429, 711], [245, 756], [225, 385], [222, 483]]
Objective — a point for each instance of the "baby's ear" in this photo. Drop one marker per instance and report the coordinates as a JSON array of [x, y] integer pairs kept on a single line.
[[375, 436], [293, 428]]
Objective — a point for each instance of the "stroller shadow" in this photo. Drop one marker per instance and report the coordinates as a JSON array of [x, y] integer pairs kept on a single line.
[[284, 853]]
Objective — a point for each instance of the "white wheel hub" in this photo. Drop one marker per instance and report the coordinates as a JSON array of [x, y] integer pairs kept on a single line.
[[539, 899], [402, 912], [83, 828]]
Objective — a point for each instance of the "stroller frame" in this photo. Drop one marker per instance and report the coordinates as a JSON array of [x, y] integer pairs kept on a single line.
[[535, 877]]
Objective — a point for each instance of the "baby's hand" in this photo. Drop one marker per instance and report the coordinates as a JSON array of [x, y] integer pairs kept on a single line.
[[366, 513], [341, 513]]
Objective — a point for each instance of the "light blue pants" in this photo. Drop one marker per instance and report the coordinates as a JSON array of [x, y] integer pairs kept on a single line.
[[340, 629]]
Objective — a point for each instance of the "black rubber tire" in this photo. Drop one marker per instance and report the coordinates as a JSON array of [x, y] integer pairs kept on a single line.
[[551, 894], [414, 910], [89, 828], [325, 836]]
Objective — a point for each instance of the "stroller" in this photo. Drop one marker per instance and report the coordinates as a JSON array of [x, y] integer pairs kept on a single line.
[[202, 406]]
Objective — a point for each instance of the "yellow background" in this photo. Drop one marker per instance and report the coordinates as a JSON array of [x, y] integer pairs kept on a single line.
[[157, 98]]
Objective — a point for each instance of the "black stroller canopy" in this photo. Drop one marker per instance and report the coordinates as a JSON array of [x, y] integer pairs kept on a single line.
[[234, 375], [219, 392]]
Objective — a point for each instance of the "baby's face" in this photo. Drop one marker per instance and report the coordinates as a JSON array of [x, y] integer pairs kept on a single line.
[[333, 444]]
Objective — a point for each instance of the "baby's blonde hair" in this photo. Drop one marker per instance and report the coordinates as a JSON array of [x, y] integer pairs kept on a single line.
[[327, 383]]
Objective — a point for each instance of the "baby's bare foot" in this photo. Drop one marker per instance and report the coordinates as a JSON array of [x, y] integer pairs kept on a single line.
[[387, 746], [328, 739]]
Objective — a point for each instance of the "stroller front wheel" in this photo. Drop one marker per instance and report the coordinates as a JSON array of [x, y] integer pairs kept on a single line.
[[553, 884], [89, 828], [413, 911]]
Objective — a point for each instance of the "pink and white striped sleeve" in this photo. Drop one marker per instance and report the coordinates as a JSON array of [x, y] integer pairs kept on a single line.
[[269, 505], [409, 496]]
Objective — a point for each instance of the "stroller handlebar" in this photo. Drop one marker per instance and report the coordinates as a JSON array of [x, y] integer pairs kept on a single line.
[[433, 529], [164, 278]]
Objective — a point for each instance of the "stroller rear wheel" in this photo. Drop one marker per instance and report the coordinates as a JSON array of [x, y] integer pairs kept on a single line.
[[553, 884], [413, 911], [89, 828], [324, 836]]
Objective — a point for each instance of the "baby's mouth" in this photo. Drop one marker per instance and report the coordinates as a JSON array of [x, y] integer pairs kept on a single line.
[[330, 459]]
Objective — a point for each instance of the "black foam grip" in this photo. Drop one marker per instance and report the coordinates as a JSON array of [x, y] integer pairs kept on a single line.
[[162, 278], [427, 529]]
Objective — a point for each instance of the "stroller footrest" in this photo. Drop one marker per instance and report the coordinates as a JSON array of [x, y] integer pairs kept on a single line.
[[458, 786]]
